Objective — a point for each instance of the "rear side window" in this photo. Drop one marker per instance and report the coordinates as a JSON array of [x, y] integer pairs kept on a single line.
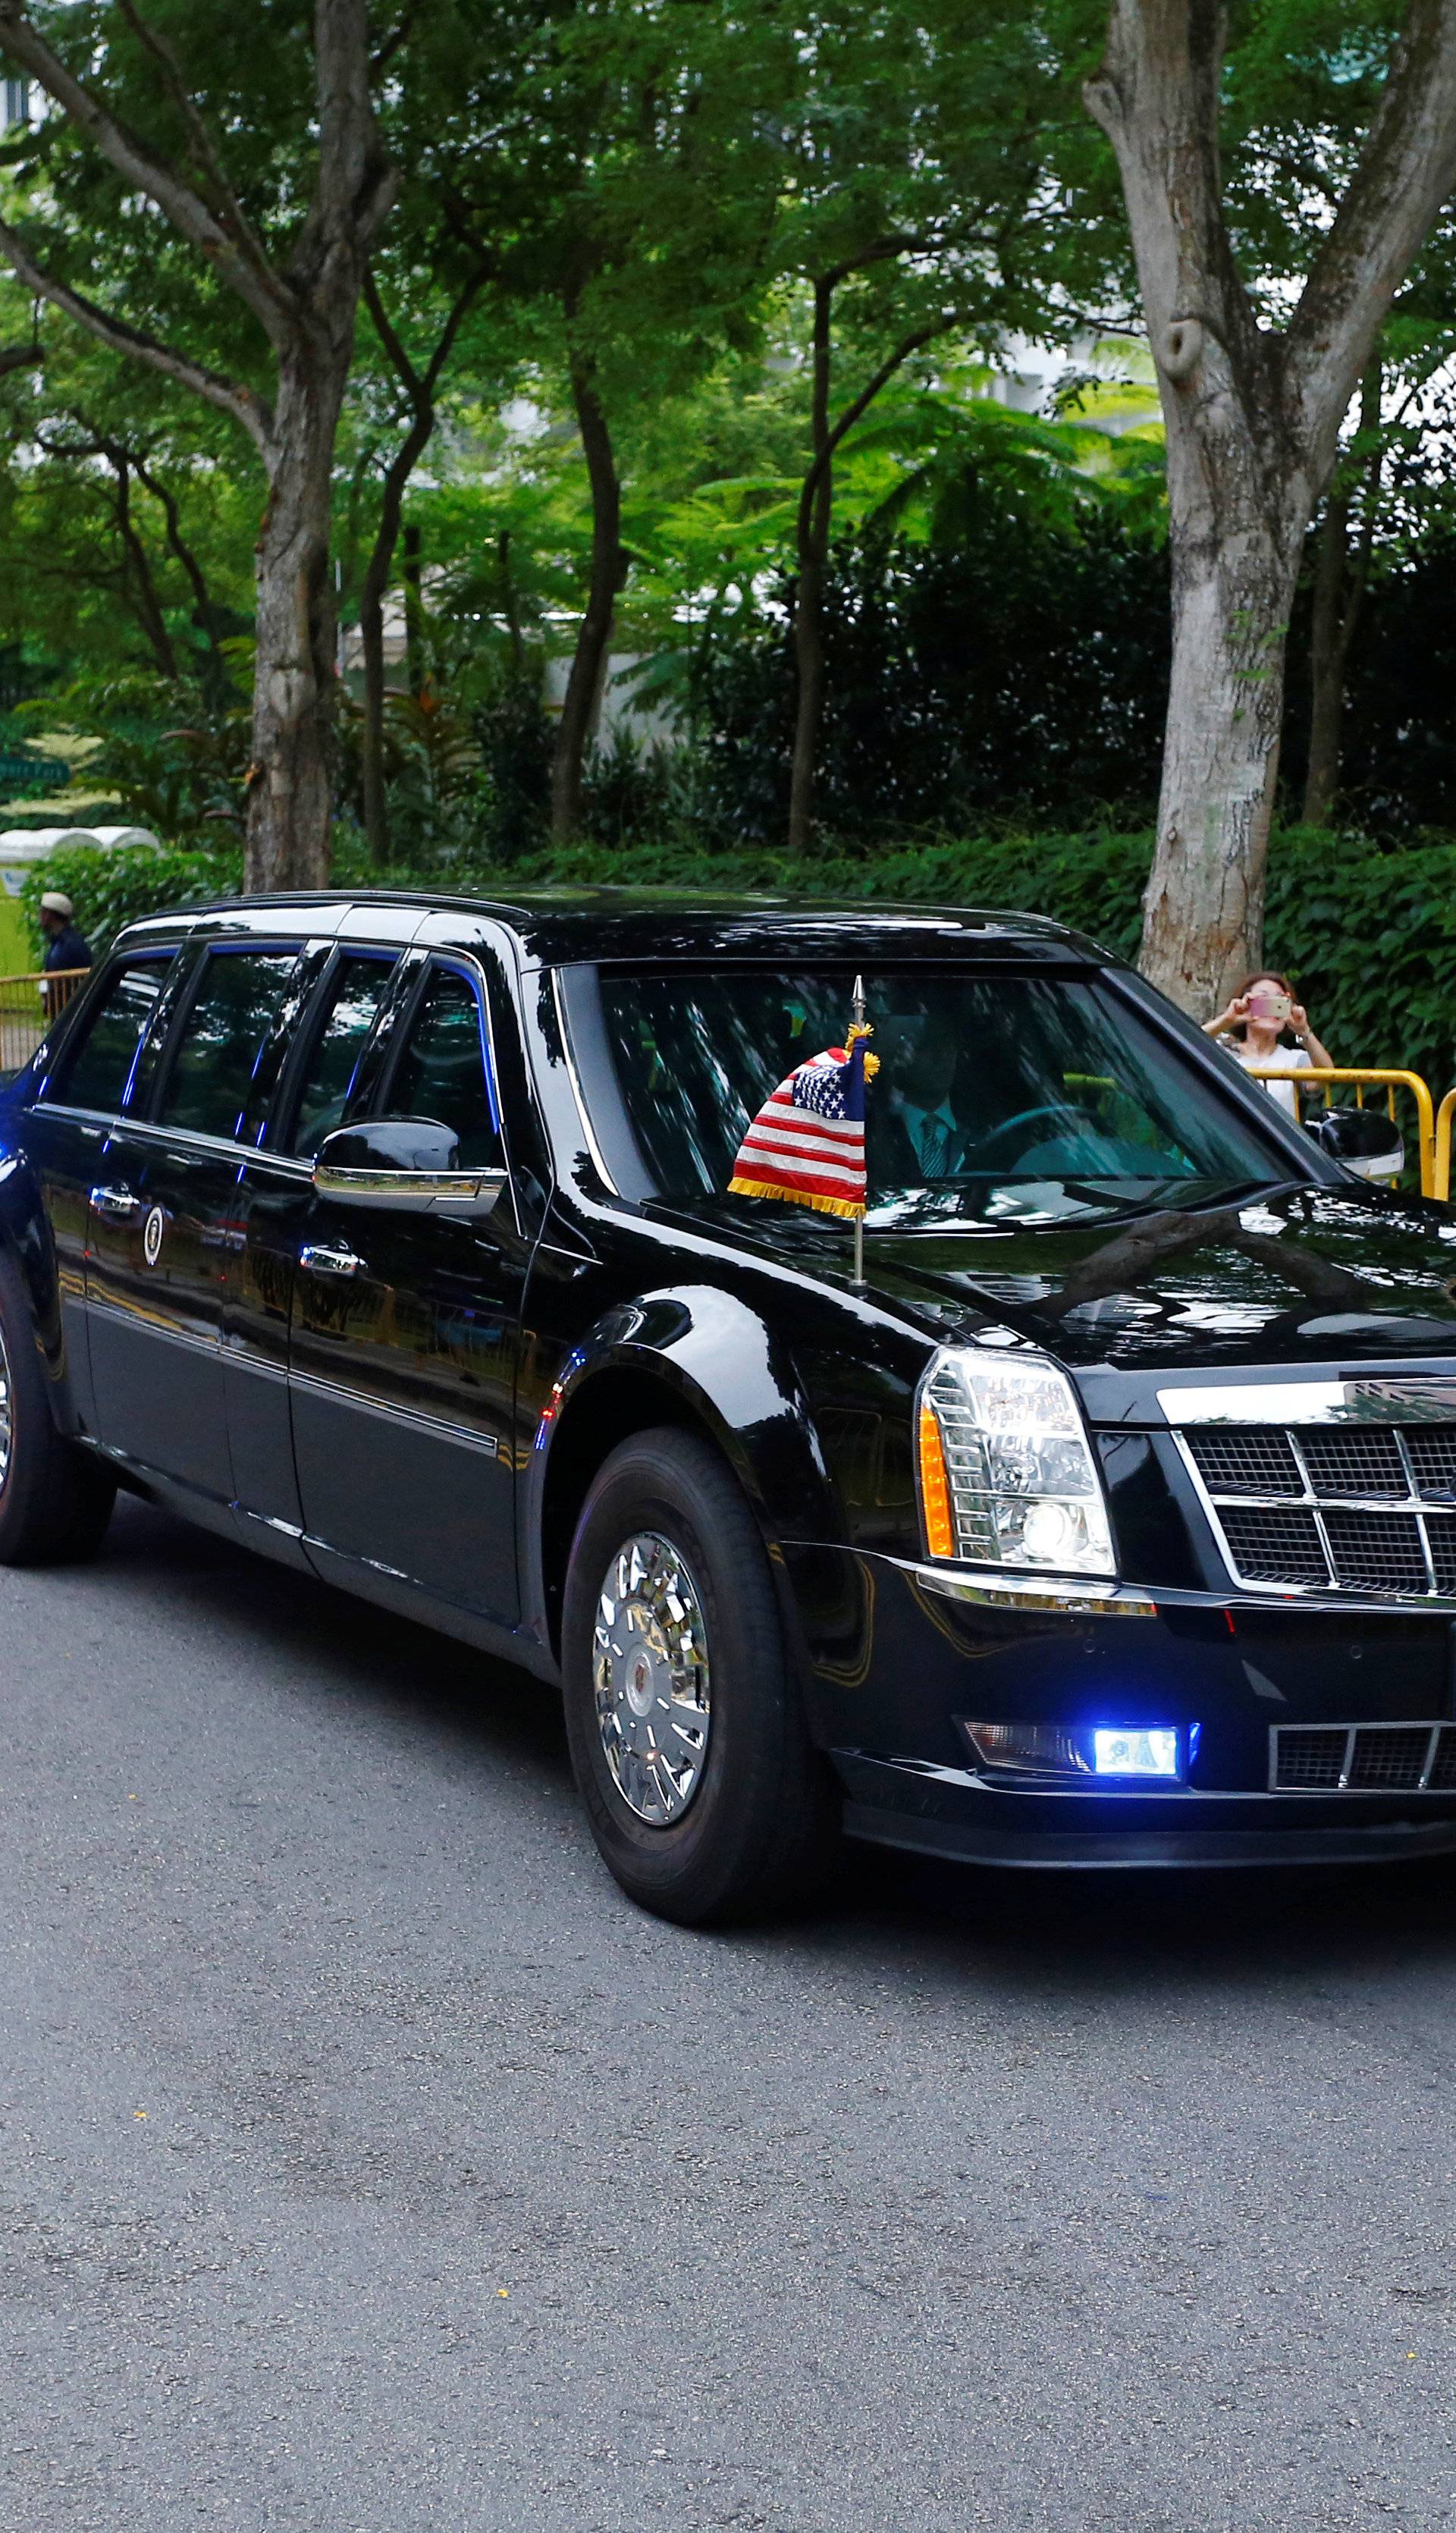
[[355, 992], [99, 1067], [212, 1082], [442, 1071]]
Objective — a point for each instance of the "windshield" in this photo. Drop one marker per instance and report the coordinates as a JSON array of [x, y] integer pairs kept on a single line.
[[1000, 1099]]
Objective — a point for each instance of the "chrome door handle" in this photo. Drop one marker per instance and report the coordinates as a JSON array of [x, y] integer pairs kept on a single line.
[[329, 1262], [116, 1202]]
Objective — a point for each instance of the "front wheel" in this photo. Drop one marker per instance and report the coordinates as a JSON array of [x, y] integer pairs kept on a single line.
[[55, 1498], [688, 1741]]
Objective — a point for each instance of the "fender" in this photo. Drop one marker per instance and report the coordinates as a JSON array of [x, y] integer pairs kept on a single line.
[[722, 1365], [26, 1240]]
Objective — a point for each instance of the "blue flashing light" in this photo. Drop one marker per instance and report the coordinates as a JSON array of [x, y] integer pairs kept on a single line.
[[1136, 1750]]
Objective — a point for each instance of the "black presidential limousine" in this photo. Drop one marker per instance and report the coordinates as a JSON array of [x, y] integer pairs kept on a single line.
[[1112, 1520]]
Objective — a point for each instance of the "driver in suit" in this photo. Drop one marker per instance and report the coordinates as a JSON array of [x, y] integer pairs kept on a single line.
[[922, 1139]]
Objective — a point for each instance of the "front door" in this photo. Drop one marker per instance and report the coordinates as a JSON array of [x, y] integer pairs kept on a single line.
[[168, 1225], [404, 1338], [72, 1133]]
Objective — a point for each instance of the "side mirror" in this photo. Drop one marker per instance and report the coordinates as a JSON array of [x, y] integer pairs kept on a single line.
[[1370, 1145], [409, 1164]]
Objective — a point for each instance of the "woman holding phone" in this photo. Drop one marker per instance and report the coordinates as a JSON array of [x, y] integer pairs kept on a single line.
[[1254, 1023]]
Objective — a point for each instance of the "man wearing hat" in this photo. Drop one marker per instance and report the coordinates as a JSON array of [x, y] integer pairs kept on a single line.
[[65, 947]]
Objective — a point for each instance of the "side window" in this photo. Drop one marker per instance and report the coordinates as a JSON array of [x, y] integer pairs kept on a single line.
[[97, 1066], [355, 993], [209, 1088], [442, 1070]]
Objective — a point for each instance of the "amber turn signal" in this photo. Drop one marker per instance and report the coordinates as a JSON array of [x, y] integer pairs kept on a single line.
[[935, 1491]]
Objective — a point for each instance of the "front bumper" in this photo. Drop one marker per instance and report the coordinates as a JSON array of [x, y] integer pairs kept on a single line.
[[897, 1661]]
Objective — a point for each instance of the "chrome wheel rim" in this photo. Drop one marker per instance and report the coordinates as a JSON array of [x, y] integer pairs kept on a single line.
[[650, 1675], [5, 1411]]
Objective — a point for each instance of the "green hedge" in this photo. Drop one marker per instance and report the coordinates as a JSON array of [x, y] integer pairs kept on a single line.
[[1370, 937]]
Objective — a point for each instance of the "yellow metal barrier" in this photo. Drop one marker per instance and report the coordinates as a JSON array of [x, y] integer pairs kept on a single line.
[[1443, 1121], [27, 1006], [1382, 1077]]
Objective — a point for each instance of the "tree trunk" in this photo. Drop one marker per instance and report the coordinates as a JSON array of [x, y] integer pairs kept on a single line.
[[816, 505], [1254, 416], [1204, 902], [509, 608], [1327, 660], [371, 730], [414, 612], [291, 776], [1339, 595], [371, 629], [609, 571]]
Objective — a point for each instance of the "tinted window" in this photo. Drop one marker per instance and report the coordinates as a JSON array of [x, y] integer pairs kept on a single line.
[[99, 1068], [355, 993], [999, 1098], [210, 1082], [441, 1072]]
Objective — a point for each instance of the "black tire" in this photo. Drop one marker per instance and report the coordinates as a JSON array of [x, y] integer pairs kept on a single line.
[[758, 1831], [55, 1496]]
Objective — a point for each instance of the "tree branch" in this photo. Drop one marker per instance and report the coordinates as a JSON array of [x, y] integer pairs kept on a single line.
[[400, 34], [226, 394], [419, 384], [136, 164], [861, 403], [1406, 171], [162, 493], [231, 213]]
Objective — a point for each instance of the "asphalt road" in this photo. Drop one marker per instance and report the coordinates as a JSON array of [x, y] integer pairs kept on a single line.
[[369, 2166]]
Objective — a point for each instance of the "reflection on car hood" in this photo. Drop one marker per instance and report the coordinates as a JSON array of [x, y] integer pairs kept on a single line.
[[1291, 1276]]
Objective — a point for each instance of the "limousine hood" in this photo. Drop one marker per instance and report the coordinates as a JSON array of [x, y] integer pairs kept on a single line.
[[1283, 1278], [1294, 1276]]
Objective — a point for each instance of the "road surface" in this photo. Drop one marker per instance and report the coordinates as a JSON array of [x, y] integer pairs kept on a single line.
[[371, 2166]]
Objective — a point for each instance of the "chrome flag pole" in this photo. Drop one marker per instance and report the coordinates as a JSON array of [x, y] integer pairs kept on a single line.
[[861, 1023]]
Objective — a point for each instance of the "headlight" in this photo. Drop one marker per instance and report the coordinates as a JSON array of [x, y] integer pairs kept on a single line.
[[1007, 1473]]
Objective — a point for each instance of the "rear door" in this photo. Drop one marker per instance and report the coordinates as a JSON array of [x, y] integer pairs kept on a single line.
[[405, 1330], [326, 1074], [170, 1223]]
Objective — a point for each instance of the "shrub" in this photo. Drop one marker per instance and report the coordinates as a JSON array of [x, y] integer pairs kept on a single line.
[[109, 889], [1368, 935]]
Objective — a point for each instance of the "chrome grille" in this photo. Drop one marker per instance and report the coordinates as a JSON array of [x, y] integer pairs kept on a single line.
[[1256, 1460], [1355, 1464], [1363, 1758], [1274, 1546], [1432, 1451], [1361, 1510]]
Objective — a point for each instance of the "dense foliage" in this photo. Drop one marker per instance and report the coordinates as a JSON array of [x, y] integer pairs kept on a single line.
[[1369, 937]]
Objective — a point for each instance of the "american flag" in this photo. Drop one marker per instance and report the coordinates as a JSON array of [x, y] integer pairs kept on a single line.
[[806, 1143]]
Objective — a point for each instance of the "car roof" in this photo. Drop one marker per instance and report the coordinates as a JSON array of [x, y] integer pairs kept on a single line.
[[555, 927]]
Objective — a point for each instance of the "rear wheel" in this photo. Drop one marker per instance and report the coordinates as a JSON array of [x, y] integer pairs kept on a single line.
[[688, 1741], [55, 1498]]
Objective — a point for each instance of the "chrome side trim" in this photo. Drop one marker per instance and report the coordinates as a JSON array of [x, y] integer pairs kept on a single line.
[[1419, 1399], [150, 1326], [598, 1161], [994, 1588], [471, 1192], [342, 1395]]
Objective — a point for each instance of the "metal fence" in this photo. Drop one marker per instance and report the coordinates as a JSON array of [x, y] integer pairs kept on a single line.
[[27, 1006], [1386, 1077]]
